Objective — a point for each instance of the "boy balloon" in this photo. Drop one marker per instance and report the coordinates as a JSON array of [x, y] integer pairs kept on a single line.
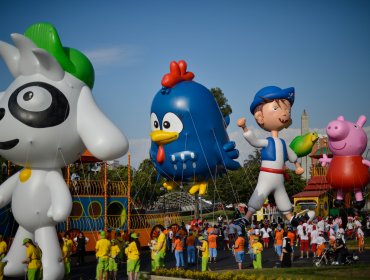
[[271, 108]]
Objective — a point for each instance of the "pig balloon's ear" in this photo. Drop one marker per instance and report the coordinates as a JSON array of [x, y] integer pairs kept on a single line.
[[361, 121], [340, 118]]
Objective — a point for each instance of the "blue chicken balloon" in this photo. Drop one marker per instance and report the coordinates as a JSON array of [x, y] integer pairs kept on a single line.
[[188, 132]]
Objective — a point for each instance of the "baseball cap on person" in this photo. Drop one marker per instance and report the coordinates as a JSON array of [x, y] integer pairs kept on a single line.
[[26, 240], [240, 233], [102, 234], [134, 235]]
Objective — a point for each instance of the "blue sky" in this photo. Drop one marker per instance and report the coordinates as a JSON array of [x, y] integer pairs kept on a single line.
[[320, 47]]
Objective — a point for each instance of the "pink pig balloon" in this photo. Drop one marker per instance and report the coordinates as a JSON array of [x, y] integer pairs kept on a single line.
[[347, 170]]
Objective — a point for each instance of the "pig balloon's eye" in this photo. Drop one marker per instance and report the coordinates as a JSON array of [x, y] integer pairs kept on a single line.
[[356, 126]]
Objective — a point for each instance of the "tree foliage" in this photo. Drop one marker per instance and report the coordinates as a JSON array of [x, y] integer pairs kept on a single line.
[[221, 101]]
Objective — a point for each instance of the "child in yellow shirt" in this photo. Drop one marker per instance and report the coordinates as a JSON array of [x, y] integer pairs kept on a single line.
[[114, 251]]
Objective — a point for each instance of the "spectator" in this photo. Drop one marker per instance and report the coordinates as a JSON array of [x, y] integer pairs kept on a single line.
[[133, 257], [33, 260], [113, 258], [266, 232], [190, 245], [279, 231], [102, 249], [179, 251], [287, 252], [303, 237], [360, 239], [212, 242], [3, 250], [257, 251], [80, 242], [205, 252], [239, 250]]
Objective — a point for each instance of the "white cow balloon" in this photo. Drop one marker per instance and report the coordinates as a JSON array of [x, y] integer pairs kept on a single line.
[[48, 117]]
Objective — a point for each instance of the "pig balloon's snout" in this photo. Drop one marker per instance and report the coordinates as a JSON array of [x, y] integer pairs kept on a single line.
[[337, 130]]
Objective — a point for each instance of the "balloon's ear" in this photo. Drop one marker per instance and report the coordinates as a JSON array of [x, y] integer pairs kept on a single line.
[[259, 117], [361, 121], [100, 136]]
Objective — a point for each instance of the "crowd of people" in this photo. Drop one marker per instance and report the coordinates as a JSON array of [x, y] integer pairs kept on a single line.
[[201, 241], [309, 239]]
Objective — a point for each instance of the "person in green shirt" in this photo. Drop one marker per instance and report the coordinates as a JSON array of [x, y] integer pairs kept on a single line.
[[33, 260], [205, 252], [133, 257], [102, 249]]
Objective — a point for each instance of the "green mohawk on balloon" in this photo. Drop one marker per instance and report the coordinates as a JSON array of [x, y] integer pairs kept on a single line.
[[45, 36]]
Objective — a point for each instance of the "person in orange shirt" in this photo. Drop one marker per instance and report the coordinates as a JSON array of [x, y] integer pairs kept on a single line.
[[179, 251], [190, 245], [239, 249], [212, 243], [291, 236], [279, 231], [209, 229]]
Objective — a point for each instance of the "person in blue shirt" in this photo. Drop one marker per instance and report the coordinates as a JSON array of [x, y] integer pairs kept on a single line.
[[271, 108]]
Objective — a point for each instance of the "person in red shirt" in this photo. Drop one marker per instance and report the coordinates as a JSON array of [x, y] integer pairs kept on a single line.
[[212, 243]]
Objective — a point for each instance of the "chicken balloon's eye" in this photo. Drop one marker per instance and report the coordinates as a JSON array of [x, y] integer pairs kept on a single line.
[[154, 123], [172, 123], [166, 125]]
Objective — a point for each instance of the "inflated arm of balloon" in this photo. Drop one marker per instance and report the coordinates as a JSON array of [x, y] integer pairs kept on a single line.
[[324, 160], [253, 140], [100, 136], [6, 190], [228, 154], [366, 162], [61, 202]]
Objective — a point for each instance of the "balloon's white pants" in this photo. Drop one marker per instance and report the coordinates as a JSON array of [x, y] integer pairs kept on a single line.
[[270, 183], [47, 240]]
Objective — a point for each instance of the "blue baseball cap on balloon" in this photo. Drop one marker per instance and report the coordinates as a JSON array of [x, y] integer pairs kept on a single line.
[[271, 93]]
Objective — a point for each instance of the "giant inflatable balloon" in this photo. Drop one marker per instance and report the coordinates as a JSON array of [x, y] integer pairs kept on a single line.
[[348, 171], [188, 132], [48, 117]]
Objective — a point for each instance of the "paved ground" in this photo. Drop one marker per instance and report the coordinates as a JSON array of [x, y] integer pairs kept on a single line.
[[225, 261]]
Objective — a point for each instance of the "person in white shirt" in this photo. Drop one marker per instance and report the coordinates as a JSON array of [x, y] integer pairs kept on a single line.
[[314, 236], [303, 236], [321, 225], [265, 232]]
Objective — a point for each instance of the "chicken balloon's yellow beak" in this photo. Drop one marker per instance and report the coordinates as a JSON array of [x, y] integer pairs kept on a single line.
[[161, 137]]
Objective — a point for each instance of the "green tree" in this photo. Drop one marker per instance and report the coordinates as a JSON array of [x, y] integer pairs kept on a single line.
[[145, 187], [221, 101]]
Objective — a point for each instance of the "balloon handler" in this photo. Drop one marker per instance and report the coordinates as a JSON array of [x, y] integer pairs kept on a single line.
[[271, 108]]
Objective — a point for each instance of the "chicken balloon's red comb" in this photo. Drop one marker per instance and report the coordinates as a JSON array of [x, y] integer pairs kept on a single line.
[[177, 74]]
